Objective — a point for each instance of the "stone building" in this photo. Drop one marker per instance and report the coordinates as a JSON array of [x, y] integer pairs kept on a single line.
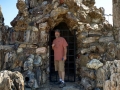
[[93, 43]]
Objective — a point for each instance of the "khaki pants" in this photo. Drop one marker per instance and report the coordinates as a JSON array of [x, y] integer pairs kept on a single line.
[[59, 65]]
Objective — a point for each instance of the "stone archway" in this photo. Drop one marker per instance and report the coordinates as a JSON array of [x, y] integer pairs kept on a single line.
[[70, 68], [93, 34]]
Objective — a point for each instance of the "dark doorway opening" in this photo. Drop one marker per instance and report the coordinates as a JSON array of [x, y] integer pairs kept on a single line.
[[70, 68]]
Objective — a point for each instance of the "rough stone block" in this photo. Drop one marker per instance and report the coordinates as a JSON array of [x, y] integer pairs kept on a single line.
[[94, 64], [41, 50], [106, 39]]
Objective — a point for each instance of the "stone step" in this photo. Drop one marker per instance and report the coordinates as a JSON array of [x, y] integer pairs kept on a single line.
[[69, 86]]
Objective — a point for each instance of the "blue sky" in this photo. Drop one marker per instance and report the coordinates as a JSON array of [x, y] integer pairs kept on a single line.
[[107, 4], [10, 11]]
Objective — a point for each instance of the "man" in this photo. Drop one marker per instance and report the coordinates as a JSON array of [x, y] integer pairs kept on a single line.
[[60, 55]]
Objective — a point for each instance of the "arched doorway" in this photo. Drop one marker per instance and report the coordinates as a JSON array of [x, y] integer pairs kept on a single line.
[[71, 53]]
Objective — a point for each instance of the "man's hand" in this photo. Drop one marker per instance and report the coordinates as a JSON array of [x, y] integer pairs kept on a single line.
[[64, 58], [53, 45]]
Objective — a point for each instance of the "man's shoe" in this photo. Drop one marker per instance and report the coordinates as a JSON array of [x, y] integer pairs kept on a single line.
[[62, 85], [59, 82]]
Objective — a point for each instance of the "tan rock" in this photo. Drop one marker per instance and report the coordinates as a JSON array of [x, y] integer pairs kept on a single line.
[[21, 5], [7, 82], [19, 50], [113, 81], [107, 85], [58, 11], [20, 23], [95, 13], [94, 56], [41, 50]]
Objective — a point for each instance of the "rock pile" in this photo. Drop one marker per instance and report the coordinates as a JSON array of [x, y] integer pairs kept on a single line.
[[108, 76], [11, 80], [24, 47]]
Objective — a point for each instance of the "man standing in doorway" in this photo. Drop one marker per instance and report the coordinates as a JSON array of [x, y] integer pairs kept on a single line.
[[60, 55]]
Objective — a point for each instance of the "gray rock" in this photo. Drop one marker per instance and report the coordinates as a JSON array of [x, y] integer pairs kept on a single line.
[[94, 64], [106, 39], [90, 39]]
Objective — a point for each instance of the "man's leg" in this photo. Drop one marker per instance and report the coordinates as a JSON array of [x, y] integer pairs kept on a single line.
[[62, 70], [63, 75], [60, 75]]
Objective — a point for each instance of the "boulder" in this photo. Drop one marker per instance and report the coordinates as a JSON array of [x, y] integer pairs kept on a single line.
[[7, 82], [108, 75], [94, 64], [41, 50]]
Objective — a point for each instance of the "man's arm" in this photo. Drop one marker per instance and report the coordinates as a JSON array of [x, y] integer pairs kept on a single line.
[[53, 46], [65, 44], [65, 53]]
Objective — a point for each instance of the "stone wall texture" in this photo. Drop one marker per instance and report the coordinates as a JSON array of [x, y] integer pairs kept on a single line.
[[24, 46], [116, 13]]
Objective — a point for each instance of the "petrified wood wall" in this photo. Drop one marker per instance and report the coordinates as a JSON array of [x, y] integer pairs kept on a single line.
[[29, 50]]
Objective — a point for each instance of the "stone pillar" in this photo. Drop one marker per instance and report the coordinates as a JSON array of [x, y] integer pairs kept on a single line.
[[116, 13], [116, 17]]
